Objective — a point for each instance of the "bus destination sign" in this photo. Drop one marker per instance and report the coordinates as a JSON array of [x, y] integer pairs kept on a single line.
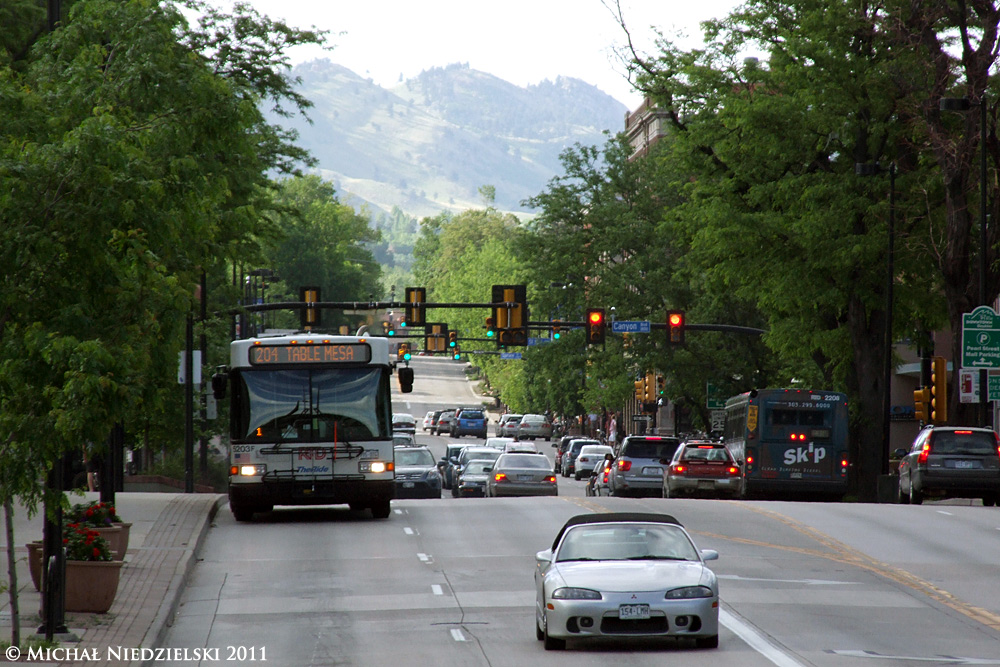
[[319, 353]]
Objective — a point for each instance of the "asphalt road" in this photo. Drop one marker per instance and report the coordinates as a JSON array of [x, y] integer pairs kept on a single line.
[[449, 581]]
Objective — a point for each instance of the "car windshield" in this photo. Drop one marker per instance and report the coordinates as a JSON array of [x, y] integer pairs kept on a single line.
[[486, 454], [534, 461], [705, 453], [402, 440], [413, 457], [650, 449], [625, 541], [471, 414], [959, 442], [580, 444], [478, 467]]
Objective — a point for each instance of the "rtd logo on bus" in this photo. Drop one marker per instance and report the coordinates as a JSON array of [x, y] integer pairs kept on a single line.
[[313, 454]]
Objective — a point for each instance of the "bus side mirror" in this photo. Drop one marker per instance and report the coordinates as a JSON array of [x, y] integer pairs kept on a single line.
[[405, 376], [219, 381]]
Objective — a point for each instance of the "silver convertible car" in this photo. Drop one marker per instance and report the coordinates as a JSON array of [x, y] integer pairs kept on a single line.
[[625, 575]]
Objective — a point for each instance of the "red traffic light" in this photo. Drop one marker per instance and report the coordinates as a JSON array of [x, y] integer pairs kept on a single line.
[[676, 320], [595, 326], [596, 317], [675, 327]]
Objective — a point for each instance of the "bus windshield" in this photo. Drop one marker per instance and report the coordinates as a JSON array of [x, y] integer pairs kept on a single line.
[[311, 405]]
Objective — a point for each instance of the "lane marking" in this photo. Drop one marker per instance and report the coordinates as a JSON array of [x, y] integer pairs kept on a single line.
[[810, 582], [424, 558], [436, 589], [457, 635], [398, 511], [945, 513], [757, 641], [940, 660], [408, 530]]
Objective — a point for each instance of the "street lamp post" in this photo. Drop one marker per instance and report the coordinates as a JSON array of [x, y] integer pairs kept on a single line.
[[964, 104], [867, 170]]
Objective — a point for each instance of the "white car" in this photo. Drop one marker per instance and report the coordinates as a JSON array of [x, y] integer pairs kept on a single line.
[[428, 421], [498, 443], [589, 458], [625, 575]]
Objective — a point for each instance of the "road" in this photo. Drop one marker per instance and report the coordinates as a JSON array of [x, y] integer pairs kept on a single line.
[[449, 581]]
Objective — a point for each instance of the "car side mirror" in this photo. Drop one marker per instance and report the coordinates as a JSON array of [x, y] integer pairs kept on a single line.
[[899, 453], [709, 554], [543, 558], [488, 469], [665, 462]]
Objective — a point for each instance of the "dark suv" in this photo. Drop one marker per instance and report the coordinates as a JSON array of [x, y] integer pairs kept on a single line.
[[951, 462], [638, 470]]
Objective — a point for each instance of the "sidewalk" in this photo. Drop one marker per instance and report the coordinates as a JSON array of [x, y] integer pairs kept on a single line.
[[166, 534]]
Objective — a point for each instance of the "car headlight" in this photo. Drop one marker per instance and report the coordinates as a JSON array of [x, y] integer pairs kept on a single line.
[[689, 592], [248, 470], [575, 594], [433, 476]]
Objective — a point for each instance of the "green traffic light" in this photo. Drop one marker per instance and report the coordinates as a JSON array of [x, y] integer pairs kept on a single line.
[[556, 335], [403, 323], [392, 332], [457, 356], [489, 333], [406, 357]]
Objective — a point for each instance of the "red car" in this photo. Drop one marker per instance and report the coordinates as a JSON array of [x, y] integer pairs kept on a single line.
[[702, 467]]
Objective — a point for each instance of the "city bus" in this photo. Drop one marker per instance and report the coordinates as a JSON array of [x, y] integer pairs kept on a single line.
[[310, 422], [792, 442]]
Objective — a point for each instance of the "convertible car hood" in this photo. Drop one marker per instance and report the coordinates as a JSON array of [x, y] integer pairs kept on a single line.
[[635, 575]]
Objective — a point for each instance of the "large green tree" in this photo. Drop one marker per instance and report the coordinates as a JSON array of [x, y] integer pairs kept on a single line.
[[133, 157]]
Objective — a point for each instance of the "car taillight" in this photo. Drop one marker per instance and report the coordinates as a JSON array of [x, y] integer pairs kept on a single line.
[[922, 456], [733, 470], [500, 477], [678, 469], [624, 465], [551, 479], [605, 475], [799, 436]]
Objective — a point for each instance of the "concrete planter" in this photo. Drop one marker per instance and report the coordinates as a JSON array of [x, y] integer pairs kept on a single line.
[[91, 586]]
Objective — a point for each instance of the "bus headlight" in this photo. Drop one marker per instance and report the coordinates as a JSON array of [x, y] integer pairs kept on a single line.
[[373, 466], [248, 470]]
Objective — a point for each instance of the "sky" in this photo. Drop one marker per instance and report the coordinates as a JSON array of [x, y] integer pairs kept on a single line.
[[521, 41]]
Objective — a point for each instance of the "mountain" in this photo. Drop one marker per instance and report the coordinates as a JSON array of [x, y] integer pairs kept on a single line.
[[432, 141]]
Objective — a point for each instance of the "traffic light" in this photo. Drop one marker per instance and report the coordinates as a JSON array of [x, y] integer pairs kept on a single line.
[[556, 325], [491, 330], [405, 376], [640, 389], [309, 315], [453, 339], [675, 327], [414, 314], [921, 403], [650, 385], [595, 326], [939, 390], [344, 330], [511, 320], [435, 337], [385, 328], [456, 353], [661, 386], [403, 352]]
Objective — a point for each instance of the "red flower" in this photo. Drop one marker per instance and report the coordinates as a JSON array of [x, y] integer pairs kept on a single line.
[[97, 552]]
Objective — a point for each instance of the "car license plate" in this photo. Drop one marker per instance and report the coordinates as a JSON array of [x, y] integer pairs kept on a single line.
[[966, 464], [652, 470], [706, 485], [408, 485], [525, 478], [632, 612]]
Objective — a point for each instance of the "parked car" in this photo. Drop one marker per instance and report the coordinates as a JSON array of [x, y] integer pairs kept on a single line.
[[507, 426], [469, 453], [572, 451], [469, 422], [416, 473], [521, 475], [526, 447], [444, 422], [430, 419], [950, 462], [444, 463], [472, 481], [404, 423], [625, 575], [702, 467], [533, 426], [638, 470], [590, 457]]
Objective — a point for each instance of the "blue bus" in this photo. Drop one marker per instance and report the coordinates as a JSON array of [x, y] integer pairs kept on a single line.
[[792, 442]]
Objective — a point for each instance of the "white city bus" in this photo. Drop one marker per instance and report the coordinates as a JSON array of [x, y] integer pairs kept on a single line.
[[310, 422]]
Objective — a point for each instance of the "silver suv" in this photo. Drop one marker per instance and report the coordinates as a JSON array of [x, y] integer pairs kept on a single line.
[[638, 470], [951, 462]]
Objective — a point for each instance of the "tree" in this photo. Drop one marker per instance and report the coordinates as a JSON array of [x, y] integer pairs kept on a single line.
[[130, 164]]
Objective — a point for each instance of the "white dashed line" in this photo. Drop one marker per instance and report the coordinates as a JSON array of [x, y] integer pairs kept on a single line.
[[457, 635], [436, 589], [408, 530], [423, 557], [945, 513]]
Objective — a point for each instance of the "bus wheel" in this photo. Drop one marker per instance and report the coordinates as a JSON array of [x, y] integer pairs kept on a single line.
[[381, 510], [240, 513]]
